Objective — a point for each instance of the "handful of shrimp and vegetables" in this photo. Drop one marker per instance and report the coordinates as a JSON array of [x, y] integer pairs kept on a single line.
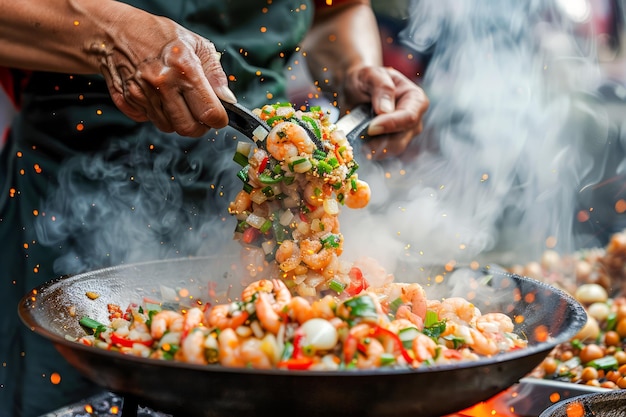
[[315, 310]]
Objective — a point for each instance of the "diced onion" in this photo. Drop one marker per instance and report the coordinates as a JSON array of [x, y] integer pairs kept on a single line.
[[255, 221], [331, 206], [244, 148], [268, 246], [303, 167], [258, 196], [260, 133], [285, 217]]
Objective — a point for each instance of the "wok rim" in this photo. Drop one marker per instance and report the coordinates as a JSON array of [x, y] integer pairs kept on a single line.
[[578, 316]]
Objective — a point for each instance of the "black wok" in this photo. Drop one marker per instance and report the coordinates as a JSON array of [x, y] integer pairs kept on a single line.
[[52, 310], [605, 404]]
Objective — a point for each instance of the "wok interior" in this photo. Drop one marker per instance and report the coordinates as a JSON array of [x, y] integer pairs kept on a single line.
[[544, 315]]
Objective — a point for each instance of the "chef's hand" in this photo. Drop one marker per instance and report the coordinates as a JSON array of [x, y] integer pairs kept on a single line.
[[165, 74], [399, 105]]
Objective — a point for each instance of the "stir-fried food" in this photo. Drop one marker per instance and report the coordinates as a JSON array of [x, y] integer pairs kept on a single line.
[[316, 311], [596, 278], [268, 327], [292, 195]]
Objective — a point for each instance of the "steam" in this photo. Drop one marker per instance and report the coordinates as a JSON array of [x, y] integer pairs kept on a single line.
[[132, 202], [512, 135], [512, 132]]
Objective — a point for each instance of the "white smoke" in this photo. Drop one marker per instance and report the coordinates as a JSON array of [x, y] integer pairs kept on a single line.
[[511, 133]]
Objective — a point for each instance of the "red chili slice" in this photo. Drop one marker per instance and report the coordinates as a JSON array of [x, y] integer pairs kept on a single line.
[[125, 342], [296, 364]]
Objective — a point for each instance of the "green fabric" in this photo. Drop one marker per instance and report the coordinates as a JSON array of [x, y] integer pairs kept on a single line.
[[73, 199]]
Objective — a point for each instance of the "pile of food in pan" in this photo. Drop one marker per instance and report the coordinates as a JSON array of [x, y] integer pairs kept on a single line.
[[597, 279], [314, 310]]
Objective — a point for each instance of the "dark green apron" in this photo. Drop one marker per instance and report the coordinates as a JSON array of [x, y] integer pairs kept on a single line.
[[84, 187]]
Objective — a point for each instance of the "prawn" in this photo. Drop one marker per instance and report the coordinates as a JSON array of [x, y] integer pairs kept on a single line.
[[288, 139], [263, 285], [288, 255], [494, 323], [459, 310], [229, 349], [252, 354], [192, 347], [242, 203], [371, 356], [302, 311], [424, 347], [359, 196], [314, 255], [411, 295], [166, 320], [225, 316], [271, 303]]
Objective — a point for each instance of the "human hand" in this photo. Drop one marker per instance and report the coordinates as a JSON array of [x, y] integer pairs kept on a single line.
[[399, 105], [169, 76]]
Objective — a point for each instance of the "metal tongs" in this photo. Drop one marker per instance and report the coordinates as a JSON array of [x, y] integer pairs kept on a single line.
[[353, 124]]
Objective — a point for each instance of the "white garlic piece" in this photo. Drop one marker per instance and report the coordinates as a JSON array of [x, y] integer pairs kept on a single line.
[[599, 311], [591, 293], [319, 334]]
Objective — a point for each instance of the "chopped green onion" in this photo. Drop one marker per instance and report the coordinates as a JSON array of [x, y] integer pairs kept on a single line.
[[353, 185], [352, 170], [387, 359], [92, 324], [407, 336], [605, 363], [267, 225], [324, 167], [336, 286], [332, 241], [240, 158], [243, 174], [315, 108], [395, 304], [268, 191], [318, 154], [297, 162], [272, 120], [333, 162], [313, 124], [269, 179]]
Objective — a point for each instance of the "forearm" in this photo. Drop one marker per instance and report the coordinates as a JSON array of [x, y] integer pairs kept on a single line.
[[61, 35], [343, 37]]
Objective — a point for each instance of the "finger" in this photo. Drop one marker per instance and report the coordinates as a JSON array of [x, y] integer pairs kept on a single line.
[[116, 91], [210, 82]]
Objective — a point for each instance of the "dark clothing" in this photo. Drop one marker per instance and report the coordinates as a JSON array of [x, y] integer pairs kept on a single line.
[[82, 186]]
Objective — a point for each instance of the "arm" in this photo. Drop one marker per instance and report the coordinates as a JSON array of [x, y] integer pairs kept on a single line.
[[344, 55], [155, 69]]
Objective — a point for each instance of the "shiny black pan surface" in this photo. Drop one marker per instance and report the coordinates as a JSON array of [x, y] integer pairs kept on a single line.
[[53, 310]]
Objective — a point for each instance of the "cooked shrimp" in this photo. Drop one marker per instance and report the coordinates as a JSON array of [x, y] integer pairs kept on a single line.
[[288, 139], [300, 309], [193, 318], [411, 295], [226, 316], [359, 197], [405, 313], [263, 285], [267, 315], [494, 323], [242, 203], [459, 310], [192, 347], [424, 347], [288, 255], [314, 255], [481, 343], [229, 349], [166, 320], [252, 354]]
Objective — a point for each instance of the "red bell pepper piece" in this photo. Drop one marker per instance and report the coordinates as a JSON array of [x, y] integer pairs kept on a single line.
[[263, 164], [250, 235], [381, 331], [126, 342], [296, 364], [358, 282]]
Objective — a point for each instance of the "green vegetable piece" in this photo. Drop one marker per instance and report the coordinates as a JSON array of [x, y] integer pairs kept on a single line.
[[240, 158], [605, 363], [361, 306], [336, 286]]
